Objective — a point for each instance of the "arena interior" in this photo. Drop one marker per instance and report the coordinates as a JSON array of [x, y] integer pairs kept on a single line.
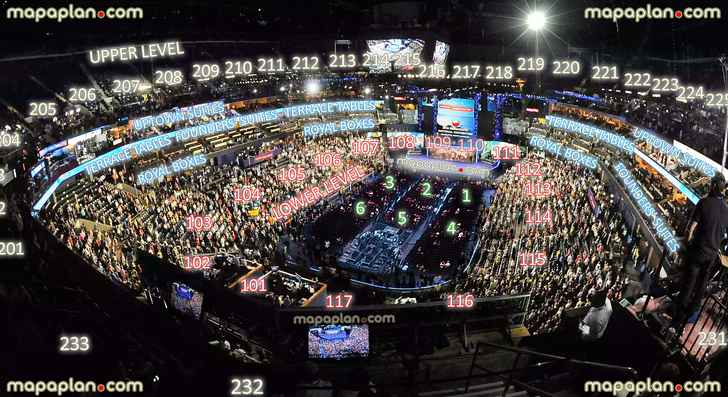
[[343, 198]]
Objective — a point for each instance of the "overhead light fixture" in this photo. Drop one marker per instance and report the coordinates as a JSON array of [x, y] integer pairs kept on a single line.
[[536, 20], [313, 87]]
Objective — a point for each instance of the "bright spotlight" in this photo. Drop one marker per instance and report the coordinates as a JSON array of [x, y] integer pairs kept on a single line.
[[536, 20], [367, 90], [283, 88], [313, 87]]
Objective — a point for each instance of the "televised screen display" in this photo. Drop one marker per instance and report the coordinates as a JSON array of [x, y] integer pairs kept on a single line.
[[403, 49], [187, 300], [456, 115], [441, 52], [338, 341]]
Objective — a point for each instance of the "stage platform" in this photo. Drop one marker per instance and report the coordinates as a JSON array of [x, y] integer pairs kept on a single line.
[[422, 164], [375, 250]]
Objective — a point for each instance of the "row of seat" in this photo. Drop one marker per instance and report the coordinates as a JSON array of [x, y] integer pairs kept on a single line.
[[74, 191]]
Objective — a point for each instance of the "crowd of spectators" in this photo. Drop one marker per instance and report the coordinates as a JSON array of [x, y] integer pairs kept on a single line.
[[692, 123], [673, 204], [582, 245], [159, 211]]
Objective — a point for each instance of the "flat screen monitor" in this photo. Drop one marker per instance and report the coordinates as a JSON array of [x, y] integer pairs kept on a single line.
[[456, 115], [187, 300], [336, 342]]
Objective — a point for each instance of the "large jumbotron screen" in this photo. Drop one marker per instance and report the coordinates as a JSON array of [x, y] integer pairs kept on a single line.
[[456, 115]]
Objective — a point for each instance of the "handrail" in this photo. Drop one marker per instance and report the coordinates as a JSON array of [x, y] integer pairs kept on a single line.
[[509, 380], [627, 370], [393, 385], [700, 358]]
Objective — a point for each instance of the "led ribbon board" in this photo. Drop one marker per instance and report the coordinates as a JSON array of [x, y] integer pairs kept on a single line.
[[663, 229], [154, 144]]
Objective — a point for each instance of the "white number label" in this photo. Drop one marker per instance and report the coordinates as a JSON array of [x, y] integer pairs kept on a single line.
[[531, 64], [605, 73], [11, 248], [716, 99], [466, 71], [168, 77], [637, 79], [270, 65], [238, 68], [74, 343], [305, 63], [246, 387], [430, 71], [712, 339], [205, 71], [665, 84], [43, 109], [125, 86], [82, 94], [342, 61], [689, 93], [562, 68], [9, 140], [498, 72]]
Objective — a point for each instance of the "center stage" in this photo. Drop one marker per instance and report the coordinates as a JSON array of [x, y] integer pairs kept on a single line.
[[422, 164]]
